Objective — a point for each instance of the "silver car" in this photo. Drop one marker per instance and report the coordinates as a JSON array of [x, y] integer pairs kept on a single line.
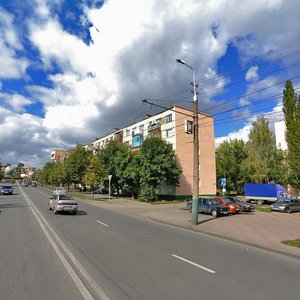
[[63, 203], [286, 205]]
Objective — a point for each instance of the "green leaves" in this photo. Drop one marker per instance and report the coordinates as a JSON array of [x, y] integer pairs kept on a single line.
[[291, 109]]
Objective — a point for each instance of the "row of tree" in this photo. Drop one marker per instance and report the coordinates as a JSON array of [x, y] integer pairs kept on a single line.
[[258, 160], [140, 172]]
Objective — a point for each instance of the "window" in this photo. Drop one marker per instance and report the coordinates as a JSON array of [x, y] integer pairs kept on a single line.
[[141, 128], [127, 132], [169, 133], [137, 140], [168, 118]]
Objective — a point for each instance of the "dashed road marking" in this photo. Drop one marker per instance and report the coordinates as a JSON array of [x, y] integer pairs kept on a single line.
[[102, 223], [194, 264]]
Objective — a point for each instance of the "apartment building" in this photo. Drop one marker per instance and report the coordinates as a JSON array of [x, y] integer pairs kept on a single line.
[[172, 126], [58, 155]]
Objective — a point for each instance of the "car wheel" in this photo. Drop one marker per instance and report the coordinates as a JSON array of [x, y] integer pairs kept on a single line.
[[288, 210], [74, 212], [214, 213]]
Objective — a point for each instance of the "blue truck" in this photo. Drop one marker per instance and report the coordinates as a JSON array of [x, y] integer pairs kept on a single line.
[[264, 192]]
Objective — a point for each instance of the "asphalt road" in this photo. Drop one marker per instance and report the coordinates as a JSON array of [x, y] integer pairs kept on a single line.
[[102, 254]]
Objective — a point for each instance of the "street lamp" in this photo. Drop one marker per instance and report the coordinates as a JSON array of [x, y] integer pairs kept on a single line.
[[194, 219]]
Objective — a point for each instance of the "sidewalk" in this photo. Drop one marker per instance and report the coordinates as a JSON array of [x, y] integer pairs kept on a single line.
[[258, 229]]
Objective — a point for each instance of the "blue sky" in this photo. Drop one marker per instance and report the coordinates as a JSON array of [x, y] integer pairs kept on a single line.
[[71, 71]]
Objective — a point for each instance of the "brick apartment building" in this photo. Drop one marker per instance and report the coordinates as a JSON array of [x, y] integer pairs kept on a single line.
[[171, 125]]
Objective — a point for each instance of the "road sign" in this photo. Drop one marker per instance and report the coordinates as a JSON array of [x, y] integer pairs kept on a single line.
[[223, 182]]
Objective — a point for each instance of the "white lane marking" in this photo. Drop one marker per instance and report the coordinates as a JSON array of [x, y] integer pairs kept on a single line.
[[44, 224], [194, 264], [102, 223]]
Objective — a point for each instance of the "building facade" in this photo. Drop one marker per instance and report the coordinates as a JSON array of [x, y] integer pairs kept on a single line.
[[58, 155], [280, 135], [171, 125]]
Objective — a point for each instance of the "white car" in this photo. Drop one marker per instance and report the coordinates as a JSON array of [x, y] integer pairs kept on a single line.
[[63, 203], [59, 190]]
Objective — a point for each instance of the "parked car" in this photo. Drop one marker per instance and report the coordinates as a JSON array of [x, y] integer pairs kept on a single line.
[[233, 207], [6, 190], [59, 190], [209, 206], [287, 205], [63, 203], [244, 206]]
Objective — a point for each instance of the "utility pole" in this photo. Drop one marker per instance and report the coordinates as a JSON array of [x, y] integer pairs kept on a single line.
[[194, 219]]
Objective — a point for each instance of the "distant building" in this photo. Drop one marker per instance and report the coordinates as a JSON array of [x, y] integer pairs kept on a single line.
[[172, 126], [280, 129], [58, 155]]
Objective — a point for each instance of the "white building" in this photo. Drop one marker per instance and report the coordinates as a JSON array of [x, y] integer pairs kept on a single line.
[[280, 135]]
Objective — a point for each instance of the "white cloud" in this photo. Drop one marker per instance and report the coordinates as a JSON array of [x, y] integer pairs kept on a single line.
[[10, 65], [16, 102], [252, 73], [98, 86]]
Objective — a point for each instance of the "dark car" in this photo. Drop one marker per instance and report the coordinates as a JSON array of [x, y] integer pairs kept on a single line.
[[210, 206], [244, 206], [287, 205], [6, 190]]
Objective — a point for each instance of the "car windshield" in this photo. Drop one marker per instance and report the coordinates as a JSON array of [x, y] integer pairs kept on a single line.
[[65, 197], [228, 201], [6, 187], [284, 200]]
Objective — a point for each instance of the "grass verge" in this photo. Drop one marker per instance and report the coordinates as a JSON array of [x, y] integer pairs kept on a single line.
[[262, 208], [293, 243]]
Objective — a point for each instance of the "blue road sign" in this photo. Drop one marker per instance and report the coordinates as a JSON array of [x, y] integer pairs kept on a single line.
[[223, 181]]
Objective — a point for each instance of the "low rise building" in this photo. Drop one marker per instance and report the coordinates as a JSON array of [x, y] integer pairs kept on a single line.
[[172, 126]]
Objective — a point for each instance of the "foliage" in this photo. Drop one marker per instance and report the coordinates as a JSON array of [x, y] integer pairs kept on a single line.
[[279, 171], [95, 172], [76, 164], [114, 157], [129, 172], [53, 173], [157, 164], [260, 152], [291, 109], [294, 243], [148, 193], [229, 156]]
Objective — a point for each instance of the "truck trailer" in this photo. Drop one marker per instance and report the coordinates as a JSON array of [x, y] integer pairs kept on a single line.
[[264, 192]]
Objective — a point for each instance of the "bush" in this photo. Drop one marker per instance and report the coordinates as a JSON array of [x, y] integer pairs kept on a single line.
[[148, 194]]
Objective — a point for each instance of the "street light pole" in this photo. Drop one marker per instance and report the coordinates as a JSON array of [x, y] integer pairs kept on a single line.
[[194, 219]]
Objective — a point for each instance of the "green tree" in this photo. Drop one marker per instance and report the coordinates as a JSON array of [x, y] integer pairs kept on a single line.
[[291, 109], [279, 170], [76, 164], [229, 157], [95, 173], [258, 165], [111, 156], [158, 166], [131, 174], [1, 173]]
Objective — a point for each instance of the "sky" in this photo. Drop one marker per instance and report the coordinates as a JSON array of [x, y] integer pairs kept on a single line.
[[74, 70]]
